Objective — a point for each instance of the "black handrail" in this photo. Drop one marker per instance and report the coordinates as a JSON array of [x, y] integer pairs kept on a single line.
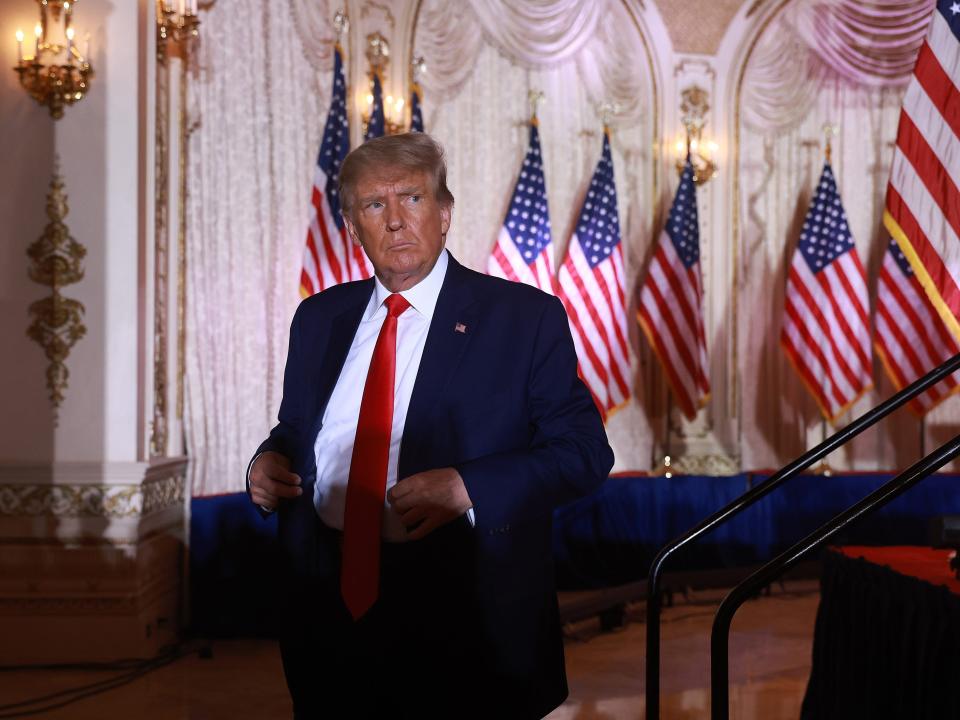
[[720, 637], [752, 496]]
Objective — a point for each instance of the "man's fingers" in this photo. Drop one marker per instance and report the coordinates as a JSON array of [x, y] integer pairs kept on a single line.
[[278, 489], [412, 516], [402, 489], [264, 499], [282, 475], [403, 503], [423, 529], [271, 480], [275, 466]]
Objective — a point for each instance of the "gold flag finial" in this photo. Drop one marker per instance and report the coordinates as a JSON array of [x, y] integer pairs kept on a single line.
[[829, 131], [535, 97], [341, 24], [418, 68], [606, 111]]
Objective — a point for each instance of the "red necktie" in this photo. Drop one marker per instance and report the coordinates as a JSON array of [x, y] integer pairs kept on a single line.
[[360, 573]]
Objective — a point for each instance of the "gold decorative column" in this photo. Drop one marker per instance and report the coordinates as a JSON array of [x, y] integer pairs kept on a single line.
[[177, 32], [56, 261]]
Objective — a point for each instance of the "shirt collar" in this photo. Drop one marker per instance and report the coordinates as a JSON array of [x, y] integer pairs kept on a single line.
[[422, 296]]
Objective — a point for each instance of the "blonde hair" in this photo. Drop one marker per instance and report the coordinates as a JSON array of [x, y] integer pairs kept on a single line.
[[416, 151]]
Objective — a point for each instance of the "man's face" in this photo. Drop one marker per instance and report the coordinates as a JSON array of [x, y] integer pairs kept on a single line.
[[401, 226]]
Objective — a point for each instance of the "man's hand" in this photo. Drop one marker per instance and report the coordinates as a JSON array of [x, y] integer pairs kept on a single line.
[[271, 480], [428, 500]]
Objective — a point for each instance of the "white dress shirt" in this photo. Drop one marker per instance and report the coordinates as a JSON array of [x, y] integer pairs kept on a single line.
[[334, 444]]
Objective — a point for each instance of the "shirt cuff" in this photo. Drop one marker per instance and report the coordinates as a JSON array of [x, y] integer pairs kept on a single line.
[[471, 517]]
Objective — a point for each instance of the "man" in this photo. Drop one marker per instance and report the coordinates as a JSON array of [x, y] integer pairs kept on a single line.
[[431, 420]]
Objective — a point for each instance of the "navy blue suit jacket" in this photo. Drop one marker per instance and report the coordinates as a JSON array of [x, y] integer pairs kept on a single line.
[[502, 403]]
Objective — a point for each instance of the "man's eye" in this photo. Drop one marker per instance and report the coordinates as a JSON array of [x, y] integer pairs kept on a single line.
[[376, 205], [416, 198]]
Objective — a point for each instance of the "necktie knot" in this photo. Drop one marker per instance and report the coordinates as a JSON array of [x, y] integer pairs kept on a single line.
[[396, 304]]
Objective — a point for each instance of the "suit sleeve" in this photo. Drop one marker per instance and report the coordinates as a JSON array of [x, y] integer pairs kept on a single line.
[[568, 455], [284, 434]]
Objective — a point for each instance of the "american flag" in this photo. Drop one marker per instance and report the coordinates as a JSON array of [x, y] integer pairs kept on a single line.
[[923, 202], [377, 125], [329, 257], [671, 300], [911, 338], [591, 287], [524, 252], [826, 327], [416, 112]]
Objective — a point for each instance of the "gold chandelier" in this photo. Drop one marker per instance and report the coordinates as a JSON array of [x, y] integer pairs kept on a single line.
[[57, 74]]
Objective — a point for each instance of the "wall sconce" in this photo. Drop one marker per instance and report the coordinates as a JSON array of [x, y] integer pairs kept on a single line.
[[694, 107], [181, 26], [65, 80], [378, 55]]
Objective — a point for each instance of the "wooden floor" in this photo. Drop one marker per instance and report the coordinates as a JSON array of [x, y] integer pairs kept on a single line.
[[769, 666]]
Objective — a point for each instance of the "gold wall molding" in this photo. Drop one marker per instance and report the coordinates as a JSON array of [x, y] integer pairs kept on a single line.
[[184, 134], [177, 38], [102, 501], [56, 261], [161, 290]]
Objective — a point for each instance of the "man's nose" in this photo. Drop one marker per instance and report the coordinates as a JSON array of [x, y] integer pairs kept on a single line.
[[394, 215]]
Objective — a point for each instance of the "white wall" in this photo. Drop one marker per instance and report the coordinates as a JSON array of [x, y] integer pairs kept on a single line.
[[98, 144]]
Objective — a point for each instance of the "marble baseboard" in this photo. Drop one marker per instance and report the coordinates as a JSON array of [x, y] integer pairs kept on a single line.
[[92, 563]]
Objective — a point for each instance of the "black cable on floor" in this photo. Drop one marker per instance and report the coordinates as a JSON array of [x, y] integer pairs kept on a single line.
[[140, 668]]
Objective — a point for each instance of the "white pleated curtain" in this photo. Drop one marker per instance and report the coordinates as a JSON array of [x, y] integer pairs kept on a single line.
[[251, 160]]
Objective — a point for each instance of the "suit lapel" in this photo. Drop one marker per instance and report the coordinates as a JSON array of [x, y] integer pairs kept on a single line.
[[343, 328], [453, 326]]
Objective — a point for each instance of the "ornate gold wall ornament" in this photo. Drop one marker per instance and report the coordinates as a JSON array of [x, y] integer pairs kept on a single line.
[[57, 260]]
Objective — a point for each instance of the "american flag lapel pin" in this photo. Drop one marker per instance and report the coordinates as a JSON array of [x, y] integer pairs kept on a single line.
[[460, 328]]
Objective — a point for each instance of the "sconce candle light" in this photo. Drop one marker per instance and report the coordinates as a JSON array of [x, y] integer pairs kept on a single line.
[[179, 26], [694, 107], [57, 75]]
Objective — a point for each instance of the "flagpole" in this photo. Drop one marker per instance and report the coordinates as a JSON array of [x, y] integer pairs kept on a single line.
[[667, 459], [923, 436], [828, 131], [824, 467]]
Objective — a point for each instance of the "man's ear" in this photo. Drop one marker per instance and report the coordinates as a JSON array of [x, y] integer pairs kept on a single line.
[[446, 215], [351, 229]]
